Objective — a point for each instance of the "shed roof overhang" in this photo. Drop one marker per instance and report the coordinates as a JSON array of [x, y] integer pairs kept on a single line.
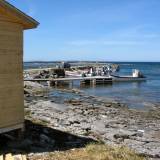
[[17, 16]]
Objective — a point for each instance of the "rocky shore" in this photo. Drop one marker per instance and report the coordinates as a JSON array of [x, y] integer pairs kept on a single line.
[[55, 122], [98, 119]]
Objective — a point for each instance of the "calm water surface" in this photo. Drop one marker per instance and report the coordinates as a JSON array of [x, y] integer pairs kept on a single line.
[[135, 94]]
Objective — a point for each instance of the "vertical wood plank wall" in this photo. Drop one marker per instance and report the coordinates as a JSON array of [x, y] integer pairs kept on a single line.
[[11, 74]]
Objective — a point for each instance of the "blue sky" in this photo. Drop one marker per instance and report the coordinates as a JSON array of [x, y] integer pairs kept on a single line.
[[114, 30]]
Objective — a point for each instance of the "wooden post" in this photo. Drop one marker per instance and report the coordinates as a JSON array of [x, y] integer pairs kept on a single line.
[[93, 82], [72, 84]]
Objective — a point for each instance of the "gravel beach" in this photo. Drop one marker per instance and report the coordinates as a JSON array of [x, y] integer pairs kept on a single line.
[[59, 123], [99, 119]]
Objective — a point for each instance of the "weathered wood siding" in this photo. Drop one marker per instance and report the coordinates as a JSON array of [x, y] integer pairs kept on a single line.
[[11, 73]]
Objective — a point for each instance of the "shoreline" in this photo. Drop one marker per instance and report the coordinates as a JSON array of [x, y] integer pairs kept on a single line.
[[136, 95], [67, 119], [110, 122]]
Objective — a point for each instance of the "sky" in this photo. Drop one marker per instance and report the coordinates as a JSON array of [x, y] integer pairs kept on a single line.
[[105, 30]]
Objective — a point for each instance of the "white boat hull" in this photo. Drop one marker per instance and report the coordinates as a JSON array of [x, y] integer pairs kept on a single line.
[[127, 79]]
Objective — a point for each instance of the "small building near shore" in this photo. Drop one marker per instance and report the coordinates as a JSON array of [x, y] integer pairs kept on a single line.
[[12, 24]]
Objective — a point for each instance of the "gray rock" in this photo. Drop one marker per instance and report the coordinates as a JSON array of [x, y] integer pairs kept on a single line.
[[95, 117]]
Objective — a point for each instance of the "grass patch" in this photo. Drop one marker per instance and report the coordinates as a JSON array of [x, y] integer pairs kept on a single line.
[[95, 152], [40, 122]]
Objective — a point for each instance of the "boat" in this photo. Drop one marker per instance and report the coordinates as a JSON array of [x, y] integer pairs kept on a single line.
[[73, 74], [136, 76]]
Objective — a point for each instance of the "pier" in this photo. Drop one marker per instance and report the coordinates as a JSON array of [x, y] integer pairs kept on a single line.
[[87, 80], [91, 80]]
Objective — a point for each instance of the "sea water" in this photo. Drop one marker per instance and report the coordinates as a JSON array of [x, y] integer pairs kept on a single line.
[[139, 95], [135, 94]]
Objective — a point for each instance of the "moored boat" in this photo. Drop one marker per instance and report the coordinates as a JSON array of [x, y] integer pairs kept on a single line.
[[136, 76]]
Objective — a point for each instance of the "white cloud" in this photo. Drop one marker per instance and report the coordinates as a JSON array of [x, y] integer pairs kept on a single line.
[[130, 36], [104, 42]]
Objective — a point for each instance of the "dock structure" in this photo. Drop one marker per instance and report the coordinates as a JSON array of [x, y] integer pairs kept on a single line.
[[88, 80], [91, 80]]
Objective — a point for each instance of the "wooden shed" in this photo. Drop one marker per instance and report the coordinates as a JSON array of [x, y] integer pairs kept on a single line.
[[12, 24]]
